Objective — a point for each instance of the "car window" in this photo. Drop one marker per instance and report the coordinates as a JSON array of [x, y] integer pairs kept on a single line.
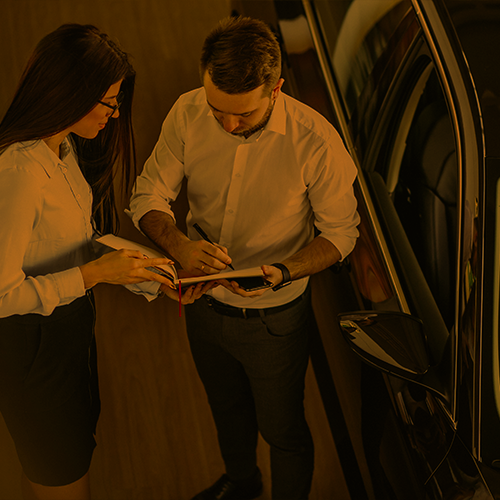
[[403, 138], [420, 171], [356, 33]]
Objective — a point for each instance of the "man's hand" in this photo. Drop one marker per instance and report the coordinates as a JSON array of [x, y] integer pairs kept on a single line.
[[194, 292], [313, 258], [194, 256], [201, 256]]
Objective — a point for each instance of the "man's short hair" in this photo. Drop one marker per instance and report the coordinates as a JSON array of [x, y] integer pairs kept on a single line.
[[241, 54]]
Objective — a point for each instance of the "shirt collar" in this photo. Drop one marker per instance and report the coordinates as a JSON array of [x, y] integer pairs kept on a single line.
[[49, 161], [277, 121]]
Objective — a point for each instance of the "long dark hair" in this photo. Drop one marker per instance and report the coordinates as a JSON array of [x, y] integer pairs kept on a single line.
[[70, 70]]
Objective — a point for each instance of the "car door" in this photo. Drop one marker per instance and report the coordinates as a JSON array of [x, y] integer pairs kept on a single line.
[[402, 130]]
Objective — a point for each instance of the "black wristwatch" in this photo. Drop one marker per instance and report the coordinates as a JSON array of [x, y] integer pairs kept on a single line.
[[286, 276]]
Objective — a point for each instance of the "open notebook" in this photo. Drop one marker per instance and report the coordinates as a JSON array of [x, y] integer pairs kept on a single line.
[[249, 279]]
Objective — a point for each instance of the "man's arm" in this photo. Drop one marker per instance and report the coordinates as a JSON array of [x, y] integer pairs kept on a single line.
[[193, 256], [313, 258]]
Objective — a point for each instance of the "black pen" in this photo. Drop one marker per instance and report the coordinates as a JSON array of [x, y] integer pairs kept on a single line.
[[205, 237]]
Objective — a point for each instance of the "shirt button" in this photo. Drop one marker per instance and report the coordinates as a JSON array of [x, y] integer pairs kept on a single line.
[[230, 210], [78, 196], [64, 169]]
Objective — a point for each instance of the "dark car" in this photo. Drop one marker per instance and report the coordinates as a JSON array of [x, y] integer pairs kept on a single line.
[[413, 86]]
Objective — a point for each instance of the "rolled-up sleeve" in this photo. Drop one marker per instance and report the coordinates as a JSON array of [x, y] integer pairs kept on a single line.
[[331, 174], [161, 179]]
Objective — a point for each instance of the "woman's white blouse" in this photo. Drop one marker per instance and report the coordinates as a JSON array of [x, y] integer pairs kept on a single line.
[[45, 228]]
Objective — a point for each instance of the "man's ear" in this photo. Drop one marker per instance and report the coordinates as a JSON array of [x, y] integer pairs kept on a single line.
[[275, 92]]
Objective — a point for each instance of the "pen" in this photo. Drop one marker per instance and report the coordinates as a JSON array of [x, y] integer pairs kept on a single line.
[[205, 237]]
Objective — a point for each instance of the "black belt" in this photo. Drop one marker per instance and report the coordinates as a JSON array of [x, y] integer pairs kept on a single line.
[[245, 313]]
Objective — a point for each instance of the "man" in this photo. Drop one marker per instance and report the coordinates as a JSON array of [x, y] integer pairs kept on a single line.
[[262, 171]]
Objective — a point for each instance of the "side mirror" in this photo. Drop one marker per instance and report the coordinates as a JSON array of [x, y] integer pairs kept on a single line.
[[390, 341]]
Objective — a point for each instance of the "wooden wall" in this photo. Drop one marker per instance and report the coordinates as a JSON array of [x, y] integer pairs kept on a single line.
[[156, 439]]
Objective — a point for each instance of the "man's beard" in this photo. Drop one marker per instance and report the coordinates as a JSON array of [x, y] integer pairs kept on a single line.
[[250, 131]]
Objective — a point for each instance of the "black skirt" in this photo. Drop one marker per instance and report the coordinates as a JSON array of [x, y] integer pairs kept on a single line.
[[49, 395]]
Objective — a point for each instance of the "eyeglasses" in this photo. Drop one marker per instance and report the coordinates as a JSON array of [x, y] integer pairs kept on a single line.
[[119, 101]]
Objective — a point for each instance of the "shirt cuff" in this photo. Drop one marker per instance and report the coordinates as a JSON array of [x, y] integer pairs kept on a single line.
[[70, 285], [344, 244], [137, 214]]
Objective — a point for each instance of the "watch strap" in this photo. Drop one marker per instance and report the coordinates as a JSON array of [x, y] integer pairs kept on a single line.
[[286, 276]]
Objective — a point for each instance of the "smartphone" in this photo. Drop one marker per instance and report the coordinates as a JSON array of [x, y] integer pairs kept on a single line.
[[253, 283]]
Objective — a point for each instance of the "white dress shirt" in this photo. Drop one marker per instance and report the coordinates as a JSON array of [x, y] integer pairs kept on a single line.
[[45, 228], [260, 197]]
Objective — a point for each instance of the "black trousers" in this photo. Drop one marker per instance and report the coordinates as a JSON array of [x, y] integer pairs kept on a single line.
[[253, 371]]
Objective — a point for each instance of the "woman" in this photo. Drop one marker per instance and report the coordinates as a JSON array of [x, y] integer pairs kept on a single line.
[[63, 138]]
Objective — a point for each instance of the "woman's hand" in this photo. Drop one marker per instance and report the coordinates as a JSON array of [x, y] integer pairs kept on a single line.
[[122, 267], [190, 294]]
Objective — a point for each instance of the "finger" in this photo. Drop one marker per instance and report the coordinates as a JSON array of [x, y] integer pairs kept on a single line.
[[215, 257], [199, 287], [209, 285], [225, 284], [204, 287], [273, 274], [145, 275], [203, 268], [157, 262], [171, 294], [169, 286], [213, 267], [223, 249], [189, 296], [186, 295], [232, 286], [197, 291]]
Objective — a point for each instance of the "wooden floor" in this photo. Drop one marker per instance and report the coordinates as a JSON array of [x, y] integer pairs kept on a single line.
[[156, 439]]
